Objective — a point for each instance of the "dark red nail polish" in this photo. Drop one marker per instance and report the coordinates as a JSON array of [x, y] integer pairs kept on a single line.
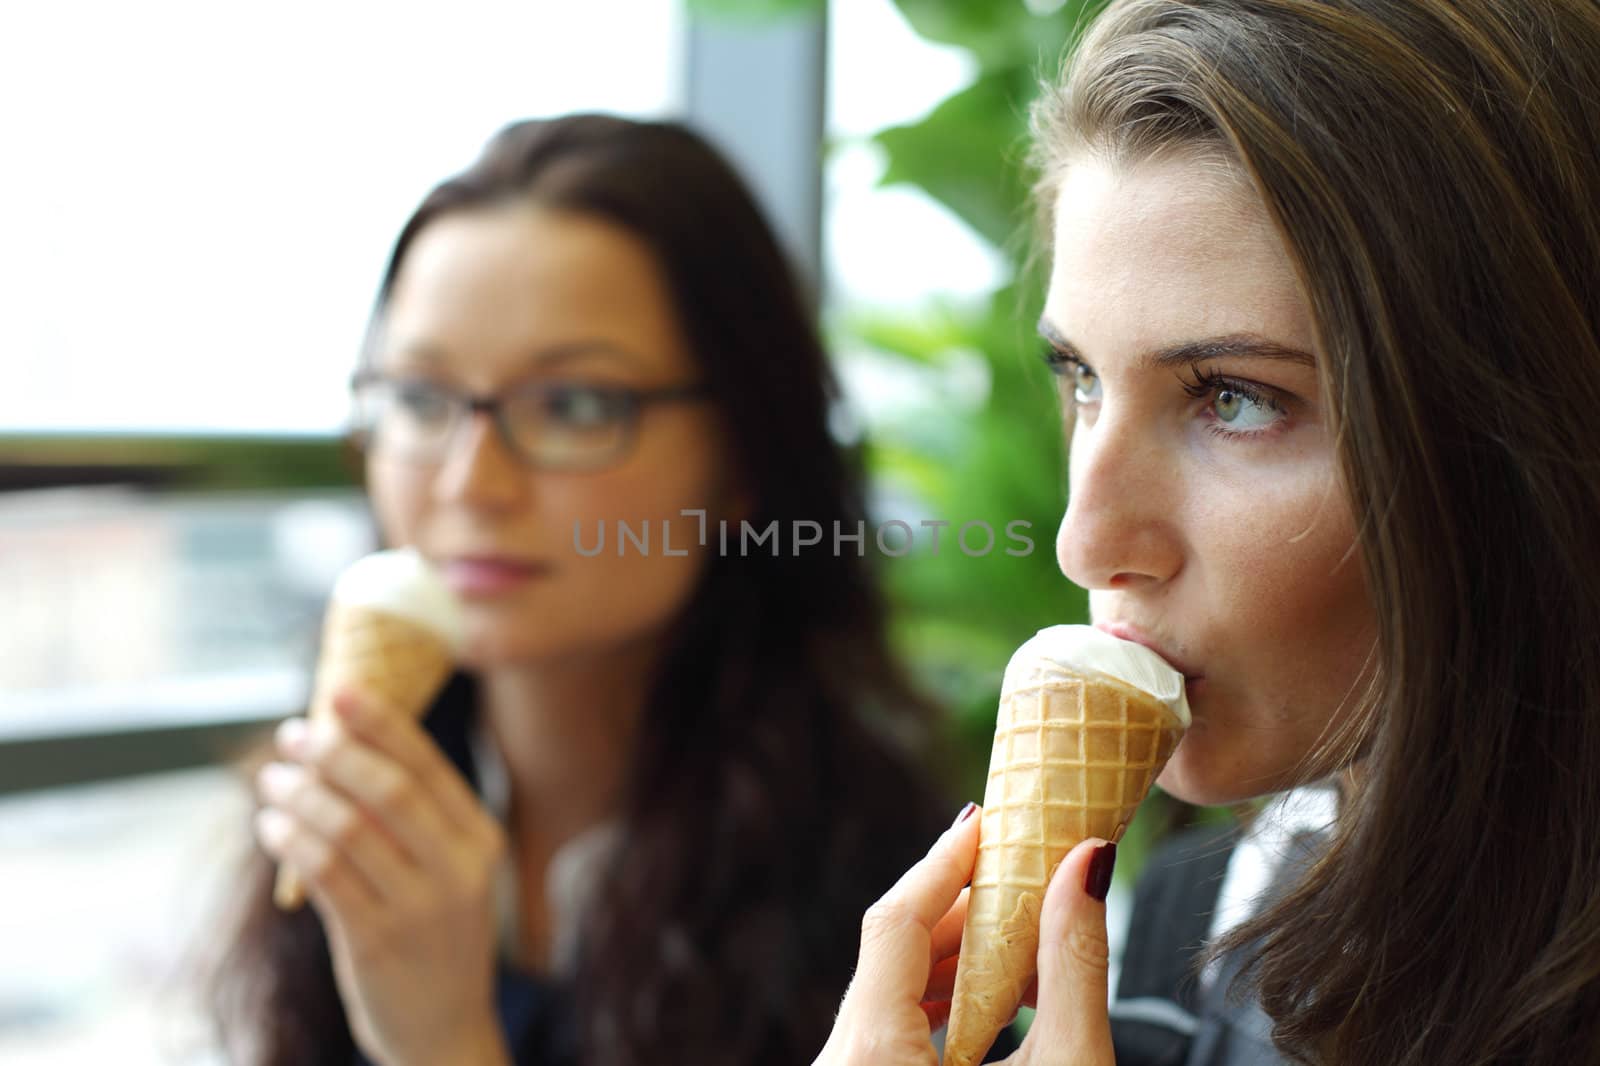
[[1098, 880], [966, 812]]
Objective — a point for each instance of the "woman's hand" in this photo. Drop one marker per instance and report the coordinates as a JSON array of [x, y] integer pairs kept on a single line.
[[398, 856], [906, 968]]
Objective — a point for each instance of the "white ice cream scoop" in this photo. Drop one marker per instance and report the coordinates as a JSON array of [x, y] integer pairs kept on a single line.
[[402, 583], [1085, 649]]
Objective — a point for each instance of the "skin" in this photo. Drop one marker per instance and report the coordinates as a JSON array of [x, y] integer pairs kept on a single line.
[[1216, 527], [1212, 527], [396, 851], [485, 299]]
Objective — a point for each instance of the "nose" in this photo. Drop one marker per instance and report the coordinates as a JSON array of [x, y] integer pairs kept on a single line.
[[1121, 528], [479, 469]]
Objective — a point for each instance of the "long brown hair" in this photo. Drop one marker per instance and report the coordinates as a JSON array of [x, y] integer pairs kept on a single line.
[[774, 793], [1434, 169]]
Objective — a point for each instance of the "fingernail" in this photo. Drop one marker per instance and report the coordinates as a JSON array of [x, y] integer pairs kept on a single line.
[[1098, 880], [293, 736], [965, 813], [272, 826], [277, 779], [323, 734]]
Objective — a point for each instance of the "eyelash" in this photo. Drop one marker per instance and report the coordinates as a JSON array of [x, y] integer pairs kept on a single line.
[[1210, 383], [1205, 383]]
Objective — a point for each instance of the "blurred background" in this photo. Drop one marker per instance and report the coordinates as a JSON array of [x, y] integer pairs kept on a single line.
[[199, 200]]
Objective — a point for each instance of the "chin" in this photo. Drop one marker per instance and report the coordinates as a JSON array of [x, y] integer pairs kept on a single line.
[[1187, 788], [477, 658], [1196, 776], [492, 646]]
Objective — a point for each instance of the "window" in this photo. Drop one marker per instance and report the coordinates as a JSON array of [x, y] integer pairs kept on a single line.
[[198, 201], [200, 196]]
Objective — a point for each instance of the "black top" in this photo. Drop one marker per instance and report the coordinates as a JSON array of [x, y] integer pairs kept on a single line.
[[1164, 1014]]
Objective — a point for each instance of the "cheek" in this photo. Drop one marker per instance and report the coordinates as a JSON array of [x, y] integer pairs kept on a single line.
[[1301, 607], [666, 475], [1280, 556], [1333, 622], [397, 501], [1313, 586], [1289, 632], [640, 581]]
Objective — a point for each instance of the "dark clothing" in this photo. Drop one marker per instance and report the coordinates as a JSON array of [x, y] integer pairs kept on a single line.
[[1155, 1017], [1165, 1013]]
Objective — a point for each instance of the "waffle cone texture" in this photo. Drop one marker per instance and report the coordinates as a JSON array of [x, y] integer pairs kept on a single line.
[[1074, 756], [393, 659]]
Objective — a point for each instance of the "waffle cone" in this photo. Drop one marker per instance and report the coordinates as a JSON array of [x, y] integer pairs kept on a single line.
[[392, 659], [1073, 757]]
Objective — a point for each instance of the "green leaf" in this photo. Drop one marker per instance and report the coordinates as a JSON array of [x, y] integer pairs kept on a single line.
[[958, 617], [926, 337], [967, 154], [754, 10], [1002, 32]]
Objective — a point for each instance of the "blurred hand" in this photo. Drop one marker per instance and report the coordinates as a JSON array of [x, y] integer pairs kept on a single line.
[[398, 856], [906, 968]]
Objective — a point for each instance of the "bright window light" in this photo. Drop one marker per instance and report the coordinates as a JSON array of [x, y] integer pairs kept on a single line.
[[198, 198]]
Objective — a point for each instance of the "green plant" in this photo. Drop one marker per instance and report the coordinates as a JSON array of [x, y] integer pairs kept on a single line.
[[999, 459]]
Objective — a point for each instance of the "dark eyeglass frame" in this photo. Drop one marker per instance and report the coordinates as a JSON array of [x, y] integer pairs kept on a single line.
[[631, 403]]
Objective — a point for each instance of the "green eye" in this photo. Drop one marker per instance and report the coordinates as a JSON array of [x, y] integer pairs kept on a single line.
[[1087, 384], [1228, 405], [1238, 409]]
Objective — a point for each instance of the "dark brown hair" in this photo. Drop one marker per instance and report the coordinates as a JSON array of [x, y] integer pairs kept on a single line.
[[1434, 169], [774, 794]]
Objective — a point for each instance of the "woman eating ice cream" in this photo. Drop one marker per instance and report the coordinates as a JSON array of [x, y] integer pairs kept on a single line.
[[641, 822], [1325, 311]]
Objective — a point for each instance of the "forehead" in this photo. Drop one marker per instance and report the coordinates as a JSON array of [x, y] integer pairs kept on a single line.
[[1166, 248], [505, 283]]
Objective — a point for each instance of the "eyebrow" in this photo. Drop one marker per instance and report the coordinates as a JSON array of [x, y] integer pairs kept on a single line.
[[567, 351], [1189, 352]]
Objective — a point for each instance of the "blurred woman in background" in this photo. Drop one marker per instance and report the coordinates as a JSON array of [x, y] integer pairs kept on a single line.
[[641, 824]]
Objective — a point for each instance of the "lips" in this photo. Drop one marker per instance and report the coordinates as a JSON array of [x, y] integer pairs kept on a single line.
[[476, 576], [1125, 631]]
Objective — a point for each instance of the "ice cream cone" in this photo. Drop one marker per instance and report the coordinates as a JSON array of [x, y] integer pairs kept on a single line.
[[391, 633], [1075, 752], [393, 659]]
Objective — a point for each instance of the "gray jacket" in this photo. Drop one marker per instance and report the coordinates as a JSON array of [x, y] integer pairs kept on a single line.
[[1169, 1010]]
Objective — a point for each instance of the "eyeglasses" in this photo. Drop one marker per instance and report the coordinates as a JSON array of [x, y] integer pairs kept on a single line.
[[547, 425]]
